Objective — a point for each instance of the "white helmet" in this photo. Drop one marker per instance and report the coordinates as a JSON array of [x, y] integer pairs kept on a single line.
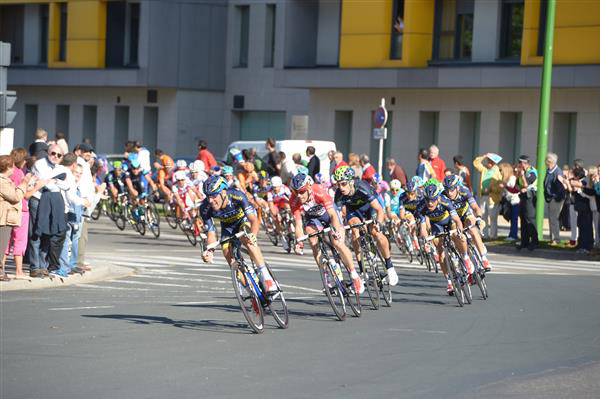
[[197, 166], [395, 184], [180, 175], [181, 164], [276, 181]]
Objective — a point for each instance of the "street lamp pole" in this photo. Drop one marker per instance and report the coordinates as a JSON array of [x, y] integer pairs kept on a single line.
[[542, 144]]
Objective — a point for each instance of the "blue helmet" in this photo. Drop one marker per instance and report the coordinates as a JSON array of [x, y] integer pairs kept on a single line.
[[451, 182], [418, 181], [411, 186], [432, 191], [135, 164], [300, 181], [214, 185]]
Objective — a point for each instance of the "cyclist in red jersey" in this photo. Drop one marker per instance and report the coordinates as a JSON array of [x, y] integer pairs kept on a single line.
[[316, 205]]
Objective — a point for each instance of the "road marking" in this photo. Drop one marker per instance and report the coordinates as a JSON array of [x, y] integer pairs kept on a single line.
[[418, 331], [83, 307], [147, 283], [300, 288], [110, 287], [195, 303]]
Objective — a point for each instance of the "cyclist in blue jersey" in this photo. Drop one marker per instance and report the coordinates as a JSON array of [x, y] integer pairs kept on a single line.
[[393, 202], [438, 212], [360, 202], [466, 207], [114, 180], [232, 208]]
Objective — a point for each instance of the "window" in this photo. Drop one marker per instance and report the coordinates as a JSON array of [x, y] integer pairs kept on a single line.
[[270, 36], [243, 17], [11, 30], [511, 29], [62, 39], [122, 33], [90, 119], [62, 119], [542, 28], [397, 30], [134, 32], [43, 33], [453, 30]]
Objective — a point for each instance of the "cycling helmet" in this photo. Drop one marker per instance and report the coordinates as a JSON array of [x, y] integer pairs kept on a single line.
[[344, 173], [180, 175], [181, 164], [431, 182], [263, 175], [197, 166], [214, 185], [276, 181], [117, 165], [451, 182], [432, 191], [411, 186], [376, 178], [227, 170], [135, 164], [395, 185], [300, 181], [166, 161], [236, 155], [302, 169], [418, 181], [125, 167], [319, 178]]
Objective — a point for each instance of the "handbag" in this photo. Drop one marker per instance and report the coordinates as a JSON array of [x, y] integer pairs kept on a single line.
[[506, 209]]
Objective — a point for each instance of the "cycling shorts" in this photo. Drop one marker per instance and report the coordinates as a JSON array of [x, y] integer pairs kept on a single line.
[[365, 212]]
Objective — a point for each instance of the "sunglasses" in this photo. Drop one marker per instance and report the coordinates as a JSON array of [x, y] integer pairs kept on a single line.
[[343, 184], [56, 154]]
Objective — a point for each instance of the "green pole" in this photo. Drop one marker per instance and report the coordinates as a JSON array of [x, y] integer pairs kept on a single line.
[[542, 145]]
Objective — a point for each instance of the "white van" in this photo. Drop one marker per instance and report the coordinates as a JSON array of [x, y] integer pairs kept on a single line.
[[290, 147]]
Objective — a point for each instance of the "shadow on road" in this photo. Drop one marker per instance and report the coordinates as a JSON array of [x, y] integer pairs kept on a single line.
[[219, 326]]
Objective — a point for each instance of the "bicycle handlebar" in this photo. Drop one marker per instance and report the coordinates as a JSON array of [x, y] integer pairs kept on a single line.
[[217, 243], [356, 225], [306, 236]]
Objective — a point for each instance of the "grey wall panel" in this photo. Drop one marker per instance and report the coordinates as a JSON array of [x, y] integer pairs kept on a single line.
[[328, 39], [194, 47], [301, 33], [218, 45], [164, 51]]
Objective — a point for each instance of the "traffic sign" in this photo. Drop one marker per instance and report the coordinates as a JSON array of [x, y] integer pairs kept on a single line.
[[380, 133], [380, 117]]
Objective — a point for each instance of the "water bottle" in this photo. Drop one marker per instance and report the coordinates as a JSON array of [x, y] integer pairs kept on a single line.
[[336, 268]]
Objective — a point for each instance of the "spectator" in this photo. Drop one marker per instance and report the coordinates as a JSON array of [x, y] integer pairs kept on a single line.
[[288, 167], [554, 194], [39, 148], [511, 193], [205, 156], [18, 237], [332, 162], [527, 182], [368, 171], [62, 142], [463, 170], [583, 208], [46, 168], [490, 191], [577, 163], [273, 166], [437, 163], [11, 197], [87, 189], [339, 160], [259, 164], [396, 171], [314, 163], [354, 162], [596, 187], [74, 204], [564, 220], [297, 159], [424, 169]]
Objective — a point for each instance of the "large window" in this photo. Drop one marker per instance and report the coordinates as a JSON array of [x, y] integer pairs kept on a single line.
[[243, 18], [542, 28], [270, 36], [62, 39], [11, 30], [122, 33], [511, 29], [397, 30], [43, 33], [453, 30]]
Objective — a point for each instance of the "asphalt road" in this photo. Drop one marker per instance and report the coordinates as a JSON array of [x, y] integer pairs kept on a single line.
[[174, 329]]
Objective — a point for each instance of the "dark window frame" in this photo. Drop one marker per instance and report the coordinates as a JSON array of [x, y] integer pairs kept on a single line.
[[269, 57], [398, 11], [44, 20], [243, 52], [63, 10], [134, 33], [506, 30], [463, 8], [542, 28]]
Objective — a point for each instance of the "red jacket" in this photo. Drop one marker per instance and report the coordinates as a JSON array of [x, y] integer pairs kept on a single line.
[[439, 166], [208, 159], [368, 173]]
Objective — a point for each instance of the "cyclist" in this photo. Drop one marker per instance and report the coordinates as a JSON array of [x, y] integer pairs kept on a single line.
[[279, 200], [232, 181], [164, 165], [409, 200], [316, 205], [361, 203], [136, 185], [235, 212], [198, 177], [465, 205], [438, 212], [114, 182]]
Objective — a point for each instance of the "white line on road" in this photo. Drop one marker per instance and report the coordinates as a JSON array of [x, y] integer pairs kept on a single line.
[[195, 303], [110, 287], [83, 307], [147, 283]]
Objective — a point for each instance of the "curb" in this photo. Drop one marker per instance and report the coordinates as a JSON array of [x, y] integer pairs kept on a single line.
[[546, 253], [99, 273]]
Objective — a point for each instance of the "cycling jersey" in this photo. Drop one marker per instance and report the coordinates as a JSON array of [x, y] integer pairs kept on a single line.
[[394, 202], [139, 182], [315, 209], [410, 205], [439, 217], [112, 178], [281, 198], [359, 203], [183, 193], [261, 192], [463, 199], [232, 216]]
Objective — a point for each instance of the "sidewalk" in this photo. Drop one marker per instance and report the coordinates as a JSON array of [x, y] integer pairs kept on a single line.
[[98, 273]]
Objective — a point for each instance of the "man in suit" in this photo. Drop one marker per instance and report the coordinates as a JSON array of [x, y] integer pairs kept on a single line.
[[39, 148], [314, 164]]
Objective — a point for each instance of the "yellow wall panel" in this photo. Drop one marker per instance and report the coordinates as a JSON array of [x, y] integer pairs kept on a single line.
[[366, 16], [577, 45], [85, 20], [577, 13], [83, 53], [363, 51]]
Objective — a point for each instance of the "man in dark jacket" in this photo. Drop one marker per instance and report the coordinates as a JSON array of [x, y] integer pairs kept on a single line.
[[554, 194], [585, 219], [314, 164], [39, 148], [526, 179], [396, 171]]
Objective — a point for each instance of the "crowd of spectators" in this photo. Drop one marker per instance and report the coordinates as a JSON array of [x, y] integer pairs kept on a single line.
[[46, 196]]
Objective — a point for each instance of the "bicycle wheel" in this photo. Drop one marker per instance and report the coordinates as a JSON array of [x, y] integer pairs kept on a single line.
[[269, 227], [479, 273], [276, 302], [189, 233], [120, 219], [141, 227], [170, 215], [456, 281], [332, 289], [408, 246], [96, 212], [382, 281], [466, 287], [368, 275], [153, 219], [246, 295], [351, 295]]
